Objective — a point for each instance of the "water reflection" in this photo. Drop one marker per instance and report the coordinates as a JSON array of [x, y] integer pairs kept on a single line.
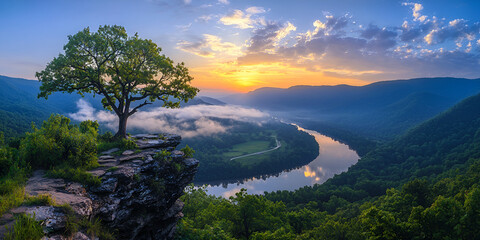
[[334, 158]]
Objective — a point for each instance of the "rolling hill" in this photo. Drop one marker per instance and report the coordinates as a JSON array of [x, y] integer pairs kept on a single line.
[[379, 110]]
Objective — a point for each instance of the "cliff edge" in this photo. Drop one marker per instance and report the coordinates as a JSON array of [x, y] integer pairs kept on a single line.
[[138, 197]]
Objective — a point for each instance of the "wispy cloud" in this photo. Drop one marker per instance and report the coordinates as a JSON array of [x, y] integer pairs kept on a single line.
[[205, 18], [209, 46], [243, 20]]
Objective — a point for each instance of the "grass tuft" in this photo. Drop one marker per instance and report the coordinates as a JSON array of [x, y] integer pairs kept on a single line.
[[76, 175], [24, 228], [39, 200], [11, 199]]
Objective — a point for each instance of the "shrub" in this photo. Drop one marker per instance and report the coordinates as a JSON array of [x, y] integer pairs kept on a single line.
[[162, 155], [58, 142], [188, 151], [94, 228]]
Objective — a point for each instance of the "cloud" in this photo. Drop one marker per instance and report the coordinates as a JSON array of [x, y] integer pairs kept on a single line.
[[283, 32], [268, 36], [191, 121], [255, 10], [456, 30], [204, 18], [411, 32], [242, 20], [184, 27], [209, 46], [379, 39], [338, 46], [224, 1], [238, 19], [416, 8]]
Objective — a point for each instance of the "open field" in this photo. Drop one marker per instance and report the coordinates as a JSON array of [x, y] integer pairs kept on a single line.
[[247, 148]]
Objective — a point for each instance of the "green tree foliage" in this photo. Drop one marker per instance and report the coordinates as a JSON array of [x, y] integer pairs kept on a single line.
[[59, 142], [5, 159], [443, 214], [423, 185], [120, 68], [240, 216]]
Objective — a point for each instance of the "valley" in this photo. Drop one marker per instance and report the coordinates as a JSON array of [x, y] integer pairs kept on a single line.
[[333, 158], [240, 120], [231, 156], [315, 176]]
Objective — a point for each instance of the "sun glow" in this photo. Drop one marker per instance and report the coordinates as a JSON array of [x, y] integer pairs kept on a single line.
[[244, 78]]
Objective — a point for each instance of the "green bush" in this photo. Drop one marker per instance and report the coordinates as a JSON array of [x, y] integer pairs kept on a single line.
[[9, 162], [59, 142], [188, 151]]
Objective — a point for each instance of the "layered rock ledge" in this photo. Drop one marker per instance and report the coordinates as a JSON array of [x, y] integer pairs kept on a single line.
[[137, 199]]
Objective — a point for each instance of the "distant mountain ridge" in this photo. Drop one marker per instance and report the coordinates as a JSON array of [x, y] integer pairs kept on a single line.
[[379, 110], [440, 147]]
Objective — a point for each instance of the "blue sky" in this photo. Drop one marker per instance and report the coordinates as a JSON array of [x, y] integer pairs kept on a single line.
[[240, 45]]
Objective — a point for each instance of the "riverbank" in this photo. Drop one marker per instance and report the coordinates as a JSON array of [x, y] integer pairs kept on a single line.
[[333, 158]]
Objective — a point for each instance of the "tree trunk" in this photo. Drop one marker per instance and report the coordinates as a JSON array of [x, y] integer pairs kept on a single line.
[[122, 126]]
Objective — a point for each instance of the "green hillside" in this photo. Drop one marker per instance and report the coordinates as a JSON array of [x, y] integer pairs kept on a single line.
[[424, 185]]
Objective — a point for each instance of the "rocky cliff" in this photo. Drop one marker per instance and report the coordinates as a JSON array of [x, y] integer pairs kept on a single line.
[[137, 199]]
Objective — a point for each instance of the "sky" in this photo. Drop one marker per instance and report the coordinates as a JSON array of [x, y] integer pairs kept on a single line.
[[241, 45]]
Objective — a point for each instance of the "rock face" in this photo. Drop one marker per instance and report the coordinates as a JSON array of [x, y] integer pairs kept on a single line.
[[139, 195], [137, 199]]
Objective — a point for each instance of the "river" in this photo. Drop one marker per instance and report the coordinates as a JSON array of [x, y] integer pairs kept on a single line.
[[333, 158]]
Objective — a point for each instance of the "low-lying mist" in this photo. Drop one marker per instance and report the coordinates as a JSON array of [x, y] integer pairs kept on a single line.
[[190, 121]]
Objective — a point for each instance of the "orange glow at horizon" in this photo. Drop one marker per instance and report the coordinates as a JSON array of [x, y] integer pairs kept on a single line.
[[244, 78]]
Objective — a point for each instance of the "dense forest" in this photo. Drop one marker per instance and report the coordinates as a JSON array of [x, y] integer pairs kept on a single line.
[[298, 148], [423, 185]]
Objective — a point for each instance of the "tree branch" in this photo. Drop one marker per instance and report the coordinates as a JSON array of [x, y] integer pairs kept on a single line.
[[137, 107]]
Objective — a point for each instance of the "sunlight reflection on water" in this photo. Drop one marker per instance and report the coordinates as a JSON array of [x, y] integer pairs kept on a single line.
[[334, 158]]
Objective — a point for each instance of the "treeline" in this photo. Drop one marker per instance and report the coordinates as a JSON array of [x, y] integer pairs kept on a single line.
[[424, 185], [419, 209], [299, 148], [15, 124]]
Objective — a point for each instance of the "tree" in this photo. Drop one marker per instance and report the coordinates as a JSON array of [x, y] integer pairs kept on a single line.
[[120, 68]]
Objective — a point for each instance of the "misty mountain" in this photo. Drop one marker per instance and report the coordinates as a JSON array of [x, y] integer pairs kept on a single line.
[[380, 110], [443, 146], [199, 100]]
